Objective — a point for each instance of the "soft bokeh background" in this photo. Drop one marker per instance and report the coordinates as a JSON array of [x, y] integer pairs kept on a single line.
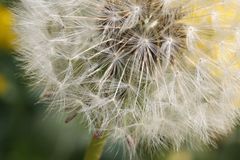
[[27, 132]]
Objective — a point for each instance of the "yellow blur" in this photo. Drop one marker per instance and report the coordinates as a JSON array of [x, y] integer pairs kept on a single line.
[[3, 84], [6, 32]]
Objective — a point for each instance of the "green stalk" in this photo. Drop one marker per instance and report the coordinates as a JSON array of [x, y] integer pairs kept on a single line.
[[95, 149]]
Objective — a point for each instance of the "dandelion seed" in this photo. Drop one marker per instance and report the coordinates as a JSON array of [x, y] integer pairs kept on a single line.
[[155, 73]]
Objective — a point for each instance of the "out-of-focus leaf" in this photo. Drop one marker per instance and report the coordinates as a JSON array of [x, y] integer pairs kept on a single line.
[[3, 84]]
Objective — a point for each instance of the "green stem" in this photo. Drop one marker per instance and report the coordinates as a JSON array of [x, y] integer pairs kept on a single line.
[[96, 147]]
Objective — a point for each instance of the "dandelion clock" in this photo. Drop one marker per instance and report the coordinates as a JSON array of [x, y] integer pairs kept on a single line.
[[151, 74]]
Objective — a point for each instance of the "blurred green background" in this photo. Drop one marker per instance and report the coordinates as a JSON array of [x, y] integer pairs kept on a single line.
[[27, 132]]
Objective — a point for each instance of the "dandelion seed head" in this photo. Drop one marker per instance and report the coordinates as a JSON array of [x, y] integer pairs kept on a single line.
[[155, 73]]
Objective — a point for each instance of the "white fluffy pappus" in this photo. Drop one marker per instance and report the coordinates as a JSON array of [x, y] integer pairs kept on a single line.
[[154, 73]]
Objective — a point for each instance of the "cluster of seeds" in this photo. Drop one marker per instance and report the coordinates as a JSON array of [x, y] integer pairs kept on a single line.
[[155, 73]]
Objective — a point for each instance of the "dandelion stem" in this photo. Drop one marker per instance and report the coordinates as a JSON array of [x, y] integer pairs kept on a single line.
[[96, 147]]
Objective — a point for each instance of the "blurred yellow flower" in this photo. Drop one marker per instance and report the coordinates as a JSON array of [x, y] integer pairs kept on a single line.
[[6, 33], [180, 156], [3, 84]]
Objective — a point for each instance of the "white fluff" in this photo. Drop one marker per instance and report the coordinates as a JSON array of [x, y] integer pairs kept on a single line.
[[106, 66]]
